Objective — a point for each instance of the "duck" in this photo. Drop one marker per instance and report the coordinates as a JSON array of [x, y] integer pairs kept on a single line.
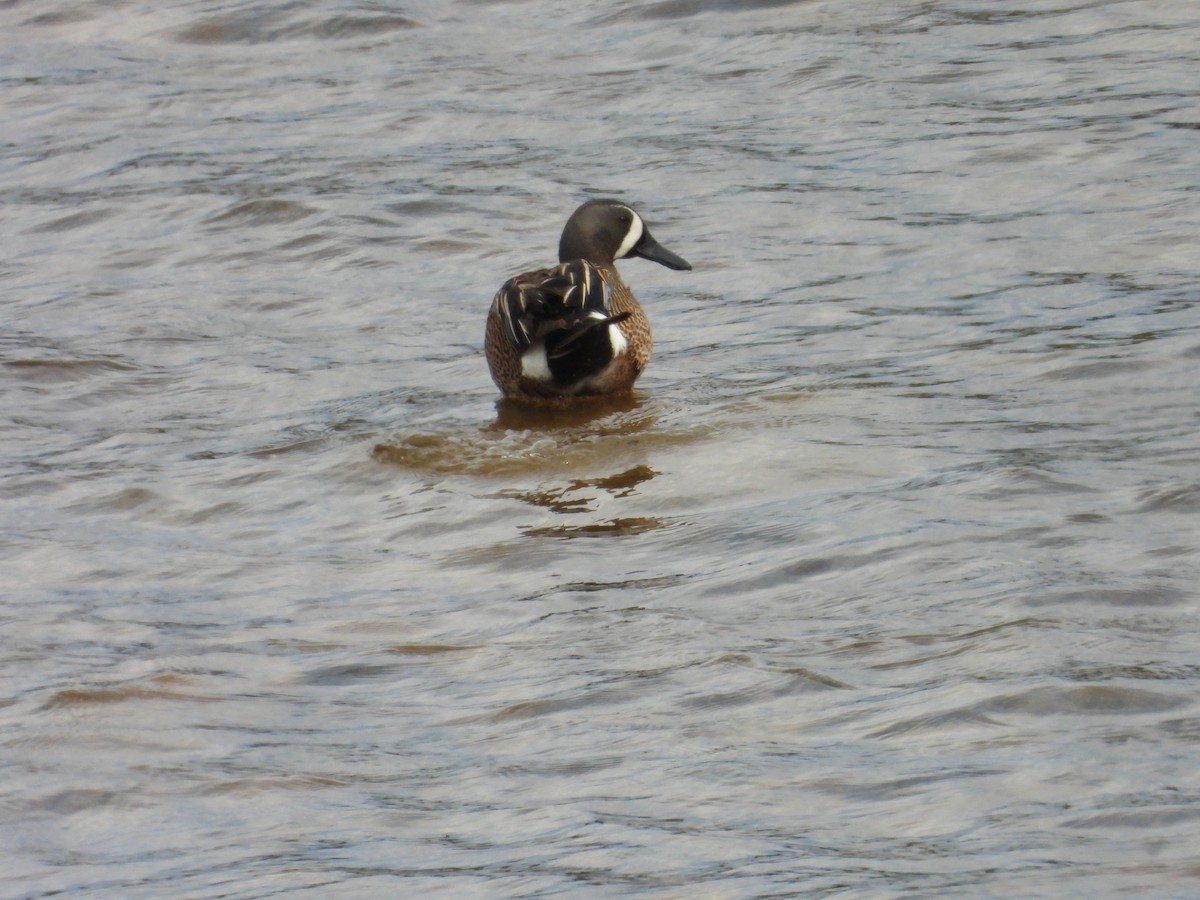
[[576, 329]]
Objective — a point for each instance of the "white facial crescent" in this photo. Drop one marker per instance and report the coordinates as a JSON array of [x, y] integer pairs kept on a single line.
[[636, 228]]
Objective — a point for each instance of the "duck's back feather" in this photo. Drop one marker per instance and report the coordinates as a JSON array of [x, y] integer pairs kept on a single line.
[[570, 297]]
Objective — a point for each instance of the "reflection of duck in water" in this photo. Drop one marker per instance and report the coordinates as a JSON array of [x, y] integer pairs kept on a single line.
[[607, 414], [576, 329]]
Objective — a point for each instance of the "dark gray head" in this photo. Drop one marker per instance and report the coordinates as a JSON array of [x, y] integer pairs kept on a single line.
[[601, 231]]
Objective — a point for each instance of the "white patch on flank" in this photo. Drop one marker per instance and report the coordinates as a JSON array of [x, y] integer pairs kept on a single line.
[[617, 340], [632, 237], [534, 364]]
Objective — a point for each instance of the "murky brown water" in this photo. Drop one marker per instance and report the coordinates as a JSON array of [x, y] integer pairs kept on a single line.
[[886, 583]]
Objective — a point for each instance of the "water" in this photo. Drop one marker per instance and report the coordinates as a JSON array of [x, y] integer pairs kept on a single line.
[[884, 584]]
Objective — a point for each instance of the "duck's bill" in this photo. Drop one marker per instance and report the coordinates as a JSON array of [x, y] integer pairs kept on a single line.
[[649, 248]]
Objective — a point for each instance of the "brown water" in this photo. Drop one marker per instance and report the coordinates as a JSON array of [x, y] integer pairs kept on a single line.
[[886, 583]]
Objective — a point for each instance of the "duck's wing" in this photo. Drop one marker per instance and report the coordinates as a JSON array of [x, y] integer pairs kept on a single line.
[[534, 304]]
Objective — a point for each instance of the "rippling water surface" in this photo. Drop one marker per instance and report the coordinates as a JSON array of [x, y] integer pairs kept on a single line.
[[885, 583]]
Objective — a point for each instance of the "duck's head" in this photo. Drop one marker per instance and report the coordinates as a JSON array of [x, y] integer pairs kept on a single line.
[[601, 231]]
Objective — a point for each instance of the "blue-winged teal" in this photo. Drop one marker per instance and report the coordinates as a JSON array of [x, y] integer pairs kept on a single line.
[[576, 329]]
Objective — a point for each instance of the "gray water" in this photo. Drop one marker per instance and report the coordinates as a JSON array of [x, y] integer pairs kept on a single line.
[[886, 583]]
